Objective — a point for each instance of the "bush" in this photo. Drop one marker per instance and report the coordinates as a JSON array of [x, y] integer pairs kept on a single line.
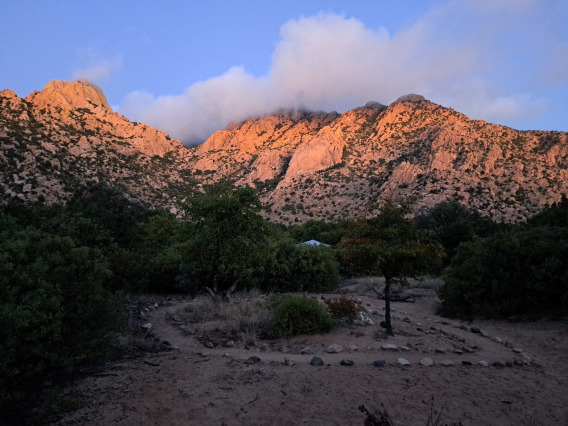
[[342, 308], [291, 267], [55, 315], [451, 224], [520, 272], [294, 315]]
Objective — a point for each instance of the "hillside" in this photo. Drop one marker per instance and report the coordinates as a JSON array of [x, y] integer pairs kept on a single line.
[[307, 165], [58, 139], [330, 166]]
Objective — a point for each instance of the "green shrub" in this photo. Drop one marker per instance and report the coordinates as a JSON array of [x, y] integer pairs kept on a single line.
[[55, 315], [291, 267], [519, 272], [294, 315], [342, 308]]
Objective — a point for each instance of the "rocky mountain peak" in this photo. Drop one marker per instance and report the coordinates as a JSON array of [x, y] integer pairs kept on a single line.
[[412, 97], [305, 164], [374, 105], [70, 95], [7, 93]]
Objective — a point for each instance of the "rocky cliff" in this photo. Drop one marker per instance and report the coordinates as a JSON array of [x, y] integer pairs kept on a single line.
[[331, 166], [307, 165], [67, 135]]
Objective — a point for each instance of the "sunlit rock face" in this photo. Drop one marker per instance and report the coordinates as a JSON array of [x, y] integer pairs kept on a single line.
[[336, 166], [306, 165], [65, 136], [70, 95], [323, 151]]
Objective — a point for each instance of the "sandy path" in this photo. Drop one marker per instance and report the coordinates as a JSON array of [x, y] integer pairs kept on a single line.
[[193, 385]]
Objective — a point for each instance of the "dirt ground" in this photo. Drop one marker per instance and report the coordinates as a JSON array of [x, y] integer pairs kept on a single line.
[[185, 381]]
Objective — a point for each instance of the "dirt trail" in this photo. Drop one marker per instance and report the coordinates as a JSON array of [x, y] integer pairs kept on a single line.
[[193, 384]]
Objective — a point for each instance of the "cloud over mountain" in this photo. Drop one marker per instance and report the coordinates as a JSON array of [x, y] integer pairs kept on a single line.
[[453, 55], [96, 67]]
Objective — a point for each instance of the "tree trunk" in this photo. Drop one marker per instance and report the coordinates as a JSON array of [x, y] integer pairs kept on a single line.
[[388, 308]]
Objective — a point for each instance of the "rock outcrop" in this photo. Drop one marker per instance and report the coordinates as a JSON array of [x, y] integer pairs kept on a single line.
[[67, 135], [70, 95], [412, 150], [323, 151], [306, 165]]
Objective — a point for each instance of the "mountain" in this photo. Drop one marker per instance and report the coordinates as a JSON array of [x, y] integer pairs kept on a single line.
[[332, 166], [67, 135], [306, 165]]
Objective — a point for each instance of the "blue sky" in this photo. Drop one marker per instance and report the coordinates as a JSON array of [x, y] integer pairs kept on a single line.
[[191, 67]]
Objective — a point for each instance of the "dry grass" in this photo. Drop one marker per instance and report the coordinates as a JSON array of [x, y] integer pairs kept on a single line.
[[430, 283], [427, 282], [246, 312]]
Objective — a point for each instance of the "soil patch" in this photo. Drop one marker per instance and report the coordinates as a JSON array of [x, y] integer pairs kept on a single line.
[[191, 368]]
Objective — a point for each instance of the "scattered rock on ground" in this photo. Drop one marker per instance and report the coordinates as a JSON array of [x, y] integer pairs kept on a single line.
[[334, 348], [389, 347], [252, 360], [316, 361]]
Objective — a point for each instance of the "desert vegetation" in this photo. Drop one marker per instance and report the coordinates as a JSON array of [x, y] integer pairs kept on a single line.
[[67, 270]]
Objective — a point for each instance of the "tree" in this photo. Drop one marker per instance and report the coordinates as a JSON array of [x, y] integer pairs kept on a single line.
[[555, 215], [452, 223], [289, 266], [227, 236], [517, 272], [54, 311], [391, 244]]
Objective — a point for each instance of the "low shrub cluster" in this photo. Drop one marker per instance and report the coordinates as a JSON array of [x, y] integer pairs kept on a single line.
[[294, 267], [342, 308], [294, 315], [522, 271], [55, 313]]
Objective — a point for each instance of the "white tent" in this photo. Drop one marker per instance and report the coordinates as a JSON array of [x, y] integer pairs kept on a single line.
[[315, 243]]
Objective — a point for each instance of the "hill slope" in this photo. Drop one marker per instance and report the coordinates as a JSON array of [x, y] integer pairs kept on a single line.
[[329, 166], [307, 165], [66, 135]]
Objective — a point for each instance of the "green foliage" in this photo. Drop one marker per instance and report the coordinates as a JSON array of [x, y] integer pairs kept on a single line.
[[228, 240], [54, 311], [295, 315], [161, 250], [342, 307], [518, 272], [451, 223], [290, 267], [227, 236], [556, 215], [391, 244], [328, 233], [141, 246]]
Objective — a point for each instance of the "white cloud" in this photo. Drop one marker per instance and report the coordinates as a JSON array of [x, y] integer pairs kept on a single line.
[[96, 68], [477, 59], [204, 107]]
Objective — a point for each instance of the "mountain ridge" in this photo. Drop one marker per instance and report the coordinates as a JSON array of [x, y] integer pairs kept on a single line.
[[306, 165]]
